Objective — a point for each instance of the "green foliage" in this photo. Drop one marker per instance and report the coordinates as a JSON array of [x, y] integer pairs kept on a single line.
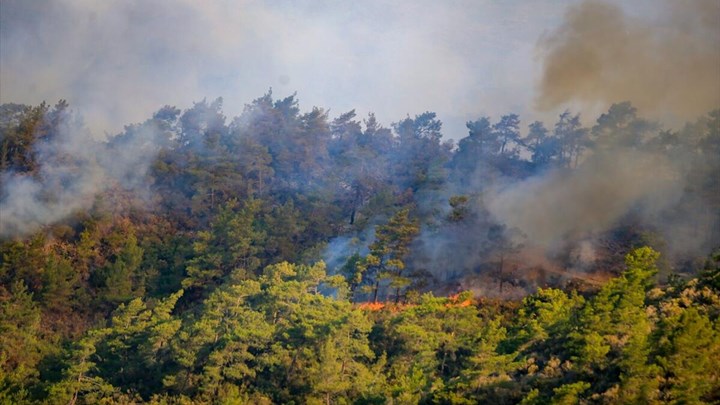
[[385, 262], [61, 283], [21, 343], [24, 261], [569, 394], [547, 313], [120, 278], [277, 338], [689, 346], [238, 213], [231, 245], [614, 331], [22, 127], [130, 353], [80, 383]]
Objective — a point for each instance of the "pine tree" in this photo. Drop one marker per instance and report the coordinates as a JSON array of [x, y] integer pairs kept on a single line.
[[387, 254]]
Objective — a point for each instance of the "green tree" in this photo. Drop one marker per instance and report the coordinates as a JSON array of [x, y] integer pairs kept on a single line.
[[219, 349], [232, 244], [572, 138], [63, 295], [133, 351], [120, 280], [24, 260], [80, 383], [549, 313], [569, 394], [342, 371], [545, 149], [688, 347], [387, 254], [613, 338], [489, 373], [420, 157], [360, 159], [621, 127], [508, 133], [285, 230], [21, 343]]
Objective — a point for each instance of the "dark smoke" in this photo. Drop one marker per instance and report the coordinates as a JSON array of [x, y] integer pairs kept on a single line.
[[668, 68]]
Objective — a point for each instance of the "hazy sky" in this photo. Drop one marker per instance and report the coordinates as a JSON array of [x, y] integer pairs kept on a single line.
[[116, 62]]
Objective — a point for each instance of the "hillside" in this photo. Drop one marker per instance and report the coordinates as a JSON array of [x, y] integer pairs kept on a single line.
[[284, 256]]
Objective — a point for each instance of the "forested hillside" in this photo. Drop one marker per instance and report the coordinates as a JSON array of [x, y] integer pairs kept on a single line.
[[288, 256]]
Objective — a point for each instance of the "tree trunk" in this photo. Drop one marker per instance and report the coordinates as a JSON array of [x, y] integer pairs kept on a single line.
[[442, 365], [356, 202], [76, 392], [261, 185], [397, 290], [500, 271], [292, 366]]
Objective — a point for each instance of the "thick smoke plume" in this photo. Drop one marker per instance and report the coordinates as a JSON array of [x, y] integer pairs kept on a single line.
[[564, 204], [600, 55]]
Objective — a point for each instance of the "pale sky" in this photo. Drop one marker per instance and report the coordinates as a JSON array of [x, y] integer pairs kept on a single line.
[[118, 61]]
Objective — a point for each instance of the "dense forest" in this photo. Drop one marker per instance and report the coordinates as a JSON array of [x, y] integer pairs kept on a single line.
[[283, 256]]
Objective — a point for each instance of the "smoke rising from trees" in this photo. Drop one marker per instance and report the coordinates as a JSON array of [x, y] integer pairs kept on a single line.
[[71, 169], [560, 204], [316, 252]]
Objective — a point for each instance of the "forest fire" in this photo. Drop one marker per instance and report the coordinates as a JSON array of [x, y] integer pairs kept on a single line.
[[475, 202], [453, 302]]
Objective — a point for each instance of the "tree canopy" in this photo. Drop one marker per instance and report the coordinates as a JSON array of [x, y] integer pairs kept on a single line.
[[283, 256]]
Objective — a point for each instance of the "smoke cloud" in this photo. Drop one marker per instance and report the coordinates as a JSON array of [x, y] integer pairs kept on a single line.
[[668, 67], [116, 61], [591, 199], [74, 169]]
